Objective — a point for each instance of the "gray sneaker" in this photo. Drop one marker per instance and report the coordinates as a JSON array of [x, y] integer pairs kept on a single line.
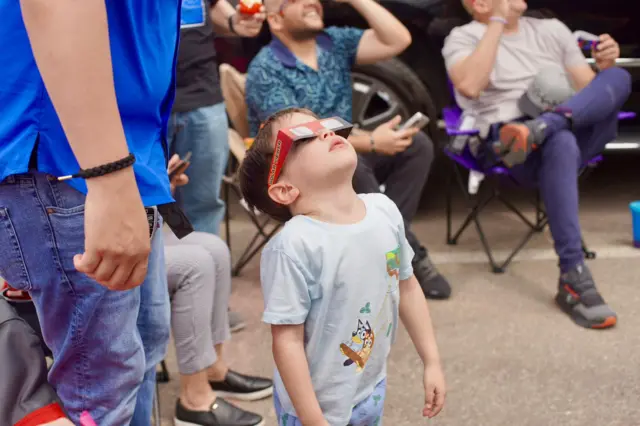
[[518, 140], [579, 298], [236, 322]]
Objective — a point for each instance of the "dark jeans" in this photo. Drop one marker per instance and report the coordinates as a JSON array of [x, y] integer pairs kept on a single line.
[[556, 165], [403, 175]]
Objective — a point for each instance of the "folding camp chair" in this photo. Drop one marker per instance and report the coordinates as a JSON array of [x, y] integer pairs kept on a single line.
[[466, 160], [22, 303], [233, 85]]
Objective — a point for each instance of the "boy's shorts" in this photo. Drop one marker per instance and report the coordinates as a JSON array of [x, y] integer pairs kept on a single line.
[[366, 413]]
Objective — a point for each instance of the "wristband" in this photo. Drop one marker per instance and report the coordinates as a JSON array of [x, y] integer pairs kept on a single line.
[[102, 170], [230, 22], [373, 144], [500, 19]]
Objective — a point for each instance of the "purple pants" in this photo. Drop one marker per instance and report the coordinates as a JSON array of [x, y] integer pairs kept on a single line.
[[556, 165]]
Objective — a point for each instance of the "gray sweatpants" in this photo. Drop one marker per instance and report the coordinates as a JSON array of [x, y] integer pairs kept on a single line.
[[199, 277]]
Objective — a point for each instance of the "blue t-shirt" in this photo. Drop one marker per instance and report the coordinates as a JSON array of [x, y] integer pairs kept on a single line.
[[342, 283], [277, 79], [144, 38]]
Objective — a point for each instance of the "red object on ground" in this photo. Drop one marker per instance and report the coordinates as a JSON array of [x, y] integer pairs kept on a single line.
[[46, 414], [250, 7]]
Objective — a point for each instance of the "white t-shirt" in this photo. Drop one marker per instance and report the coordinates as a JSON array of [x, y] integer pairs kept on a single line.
[[538, 44], [342, 283]]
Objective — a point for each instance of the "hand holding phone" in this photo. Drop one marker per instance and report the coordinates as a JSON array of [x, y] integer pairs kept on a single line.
[[180, 168], [417, 120]]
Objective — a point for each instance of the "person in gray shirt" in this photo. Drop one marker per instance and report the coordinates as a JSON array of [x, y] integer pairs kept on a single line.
[[499, 65]]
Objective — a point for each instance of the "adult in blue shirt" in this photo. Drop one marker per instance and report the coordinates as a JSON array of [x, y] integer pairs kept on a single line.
[[308, 66], [85, 84]]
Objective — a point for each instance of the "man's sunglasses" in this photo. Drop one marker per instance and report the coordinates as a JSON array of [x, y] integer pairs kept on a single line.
[[301, 133]]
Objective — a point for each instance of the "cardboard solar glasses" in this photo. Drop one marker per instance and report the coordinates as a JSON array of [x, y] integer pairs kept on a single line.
[[303, 132]]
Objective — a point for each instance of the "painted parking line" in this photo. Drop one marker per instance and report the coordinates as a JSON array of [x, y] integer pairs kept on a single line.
[[479, 256]]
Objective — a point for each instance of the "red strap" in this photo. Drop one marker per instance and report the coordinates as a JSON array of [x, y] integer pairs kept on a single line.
[[46, 414]]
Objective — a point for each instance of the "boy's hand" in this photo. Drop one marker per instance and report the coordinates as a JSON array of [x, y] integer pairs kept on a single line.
[[434, 390]]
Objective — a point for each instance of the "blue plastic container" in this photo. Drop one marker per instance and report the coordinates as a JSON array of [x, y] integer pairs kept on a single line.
[[635, 219]]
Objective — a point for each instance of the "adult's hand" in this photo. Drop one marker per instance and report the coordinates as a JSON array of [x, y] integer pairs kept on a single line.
[[180, 179], [247, 25], [500, 8], [117, 243], [389, 141], [606, 52]]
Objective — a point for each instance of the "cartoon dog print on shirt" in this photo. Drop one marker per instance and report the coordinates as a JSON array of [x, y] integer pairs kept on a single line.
[[359, 348]]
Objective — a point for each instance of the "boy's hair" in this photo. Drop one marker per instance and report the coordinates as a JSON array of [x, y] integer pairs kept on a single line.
[[254, 170]]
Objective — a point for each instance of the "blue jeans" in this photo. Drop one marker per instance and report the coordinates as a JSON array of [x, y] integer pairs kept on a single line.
[[105, 343], [204, 132]]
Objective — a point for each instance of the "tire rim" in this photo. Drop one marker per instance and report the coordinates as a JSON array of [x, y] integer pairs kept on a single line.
[[374, 102]]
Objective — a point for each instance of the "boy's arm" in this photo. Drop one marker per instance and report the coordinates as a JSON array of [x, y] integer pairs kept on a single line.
[[414, 314], [291, 360]]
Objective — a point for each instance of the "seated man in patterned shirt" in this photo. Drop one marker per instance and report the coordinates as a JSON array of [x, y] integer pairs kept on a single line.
[[308, 66]]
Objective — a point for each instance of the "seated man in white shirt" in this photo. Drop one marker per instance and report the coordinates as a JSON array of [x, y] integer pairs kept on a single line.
[[492, 63]]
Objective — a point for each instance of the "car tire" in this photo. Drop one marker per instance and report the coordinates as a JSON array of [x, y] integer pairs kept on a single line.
[[398, 86]]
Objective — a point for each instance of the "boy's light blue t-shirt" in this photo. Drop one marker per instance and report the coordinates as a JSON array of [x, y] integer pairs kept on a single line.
[[341, 282]]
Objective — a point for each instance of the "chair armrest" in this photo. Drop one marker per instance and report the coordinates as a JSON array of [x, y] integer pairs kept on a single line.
[[626, 115], [458, 132]]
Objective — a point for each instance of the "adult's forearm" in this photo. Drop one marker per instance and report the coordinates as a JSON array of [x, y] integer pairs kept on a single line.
[[293, 367], [414, 313], [471, 76], [388, 29], [360, 140], [220, 14], [70, 42]]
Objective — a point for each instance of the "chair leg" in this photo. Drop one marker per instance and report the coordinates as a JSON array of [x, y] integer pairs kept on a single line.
[[475, 208], [541, 214], [227, 219], [588, 254], [162, 376], [449, 203], [157, 420], [258, 241]]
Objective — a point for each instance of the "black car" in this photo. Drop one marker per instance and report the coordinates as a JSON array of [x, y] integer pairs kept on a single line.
[[417, 81]]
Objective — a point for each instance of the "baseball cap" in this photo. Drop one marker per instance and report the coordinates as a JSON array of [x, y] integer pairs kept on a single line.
[[549, 88]]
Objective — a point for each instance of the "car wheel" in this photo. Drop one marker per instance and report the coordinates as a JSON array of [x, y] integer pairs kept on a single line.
[[386, 89]]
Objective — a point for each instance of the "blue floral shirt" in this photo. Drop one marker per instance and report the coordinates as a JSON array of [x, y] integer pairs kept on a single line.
[[277, 79]]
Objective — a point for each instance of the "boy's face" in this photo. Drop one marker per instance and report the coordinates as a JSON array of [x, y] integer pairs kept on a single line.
[[319, 163]]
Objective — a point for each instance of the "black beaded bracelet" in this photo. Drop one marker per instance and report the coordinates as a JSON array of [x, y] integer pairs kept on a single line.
[[102, 170], [231, 26]]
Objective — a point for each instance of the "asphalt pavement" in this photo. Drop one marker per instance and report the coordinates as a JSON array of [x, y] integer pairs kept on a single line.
[[510, 357]]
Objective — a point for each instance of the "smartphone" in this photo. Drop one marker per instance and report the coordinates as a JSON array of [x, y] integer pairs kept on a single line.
[[182, 166], [586, 41], [418, 120]]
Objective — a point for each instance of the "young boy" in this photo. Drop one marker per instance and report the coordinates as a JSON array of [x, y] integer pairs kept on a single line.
[[334, 279]]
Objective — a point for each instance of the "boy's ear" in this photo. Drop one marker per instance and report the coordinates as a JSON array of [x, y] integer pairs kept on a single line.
[[283, 193]]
